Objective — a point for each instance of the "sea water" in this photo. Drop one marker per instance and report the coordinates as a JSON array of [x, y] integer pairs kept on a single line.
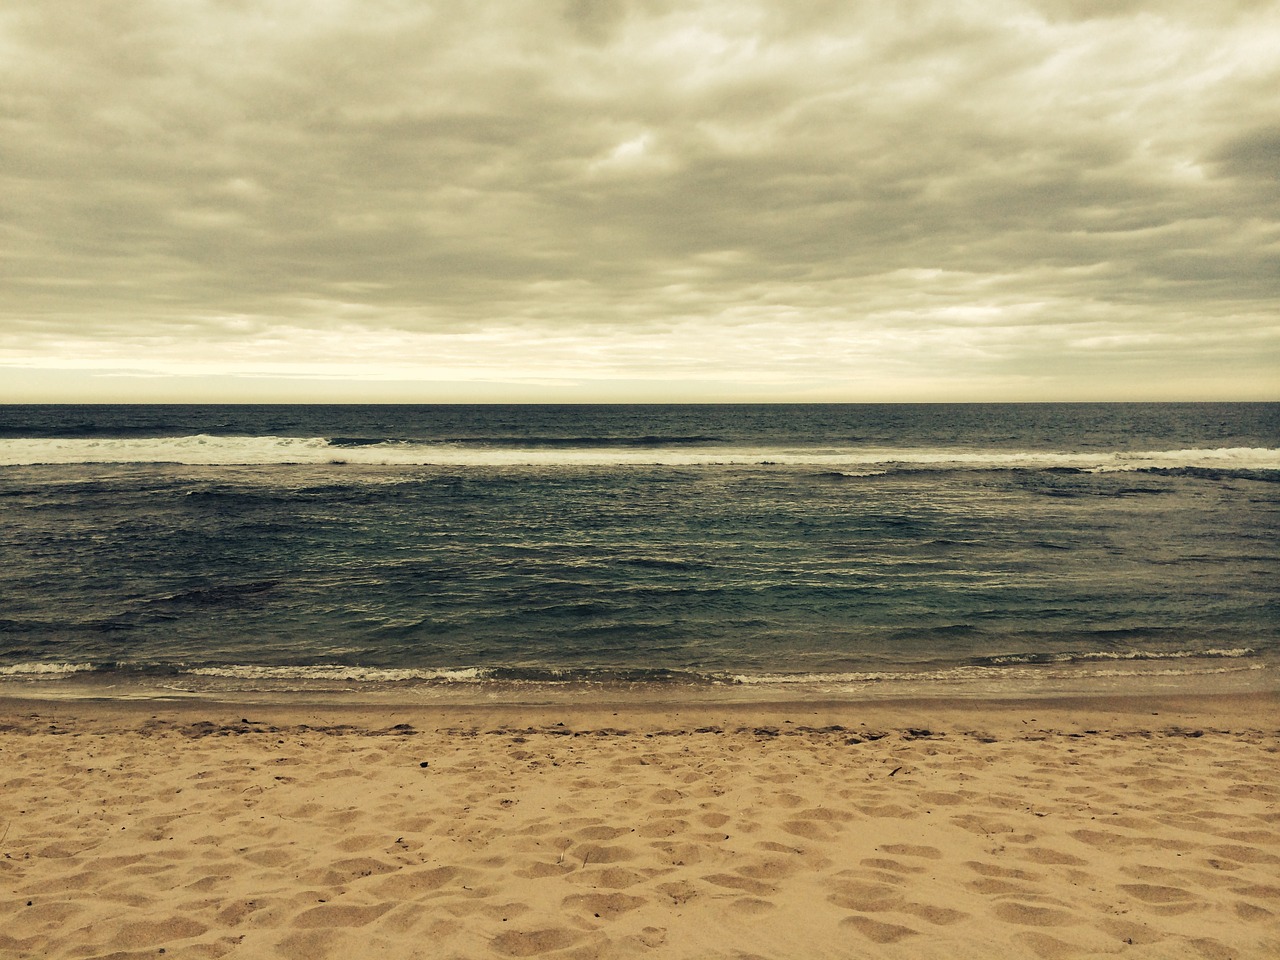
[[740, 547]]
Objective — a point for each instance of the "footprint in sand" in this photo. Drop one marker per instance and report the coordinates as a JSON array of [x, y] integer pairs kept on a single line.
[[1244, 854], [540, 869], [993, 887], [1212, 949], [531, 943], [617, 878], [1130, 932], [746, 884], [1048, 856], [338, 915], [148, 933], [361, 841], [678, 892], [271, 856], [995, 870], [50, 914], [1102, 839], [1252, 912], [601, 832], [1161, 898], [809, 829], [1049, 948], [1031, 915], [1218, 863], [912, 850], [598, 853], [409, 884], [787, 800], [652, 936], [982, 825], [235, 913], [1259, 891], [825, 814], [893, 866], [661, 828], [773, 868], [1145, 871], [347, 871], [680, 854], [856, 889], [932, 913], [357, 867], [878, 931], [606, 906], [937, 798]]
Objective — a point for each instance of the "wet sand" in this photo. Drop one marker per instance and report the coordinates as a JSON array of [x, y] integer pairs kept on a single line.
[[1130, 827]]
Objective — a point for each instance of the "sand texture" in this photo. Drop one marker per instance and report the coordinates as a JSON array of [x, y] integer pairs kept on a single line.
[[208, 830]]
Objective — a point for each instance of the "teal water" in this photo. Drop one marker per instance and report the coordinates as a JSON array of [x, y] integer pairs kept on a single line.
[[751, 544]]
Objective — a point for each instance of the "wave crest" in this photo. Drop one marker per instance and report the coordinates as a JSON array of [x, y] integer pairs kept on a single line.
[[203, 449], [337, 672], [36, 671]]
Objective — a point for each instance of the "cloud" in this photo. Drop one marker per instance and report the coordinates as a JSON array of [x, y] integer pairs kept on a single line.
[[854, 195], [1252, 155]]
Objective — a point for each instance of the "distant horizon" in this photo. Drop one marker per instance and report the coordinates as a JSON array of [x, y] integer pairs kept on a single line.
[[634, 403]]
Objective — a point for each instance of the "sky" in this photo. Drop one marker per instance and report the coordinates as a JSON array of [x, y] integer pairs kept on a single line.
[[589, 200]]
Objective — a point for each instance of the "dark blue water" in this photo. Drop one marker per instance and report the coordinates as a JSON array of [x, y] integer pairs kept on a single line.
[[1033, 426], [761, 543]]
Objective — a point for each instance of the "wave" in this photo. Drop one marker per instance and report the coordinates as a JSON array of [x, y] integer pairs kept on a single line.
[[855, 461], [648, 440], [338, 672], [45, 670], [318, 672], [970, 674], [1088, 656], [346, 673], [1005, 667]]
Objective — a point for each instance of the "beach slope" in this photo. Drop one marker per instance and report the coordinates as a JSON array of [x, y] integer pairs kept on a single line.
[[1109, 827]]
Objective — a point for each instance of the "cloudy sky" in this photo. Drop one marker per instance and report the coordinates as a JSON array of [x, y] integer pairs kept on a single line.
[[639, 200]]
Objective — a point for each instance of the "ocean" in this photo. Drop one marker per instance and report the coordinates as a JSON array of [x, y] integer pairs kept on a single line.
[[700, 550]]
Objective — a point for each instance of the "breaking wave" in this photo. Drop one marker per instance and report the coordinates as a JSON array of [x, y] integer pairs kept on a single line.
[[1000, 669], [35, 671], [205, 449]]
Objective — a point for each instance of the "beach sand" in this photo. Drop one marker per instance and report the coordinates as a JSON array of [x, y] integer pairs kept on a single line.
[[1136, 827]]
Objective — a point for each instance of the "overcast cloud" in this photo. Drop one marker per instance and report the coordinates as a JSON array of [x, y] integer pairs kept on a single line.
[[397, 199]]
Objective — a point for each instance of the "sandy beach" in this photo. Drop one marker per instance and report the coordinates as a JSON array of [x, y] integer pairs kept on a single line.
[[1136, 827]]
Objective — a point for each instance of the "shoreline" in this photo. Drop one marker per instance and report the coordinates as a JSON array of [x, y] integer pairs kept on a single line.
[[1137, 826], [1256, 677], [1234, 711]]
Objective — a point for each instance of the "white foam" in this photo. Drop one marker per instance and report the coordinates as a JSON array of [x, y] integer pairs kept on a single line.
[[974, 674], [340, 672], [195, 450], [44, 671], [1230, 458], [824, 679], [1127, 655], [213, 450]]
